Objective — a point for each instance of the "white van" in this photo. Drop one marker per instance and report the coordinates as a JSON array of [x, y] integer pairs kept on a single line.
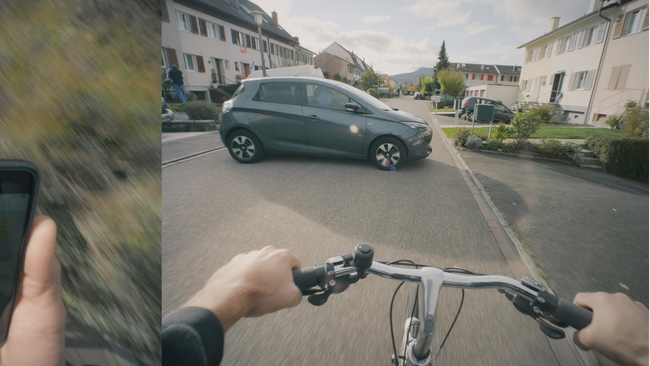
[[306, 70]]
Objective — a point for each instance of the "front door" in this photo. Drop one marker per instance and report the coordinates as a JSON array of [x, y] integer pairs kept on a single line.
[[557, 87], [247, 69], [330, 128], [218, 71]]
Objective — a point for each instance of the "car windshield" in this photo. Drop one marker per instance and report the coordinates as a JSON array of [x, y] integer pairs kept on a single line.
[[366, 97]]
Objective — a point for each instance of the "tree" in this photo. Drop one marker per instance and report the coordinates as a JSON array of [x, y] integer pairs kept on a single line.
[[451, 82], [426, 85], [369, 79], [443, 63]]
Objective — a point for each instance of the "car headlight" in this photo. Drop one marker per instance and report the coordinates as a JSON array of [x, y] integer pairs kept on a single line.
[[227, 105], [415, 125]]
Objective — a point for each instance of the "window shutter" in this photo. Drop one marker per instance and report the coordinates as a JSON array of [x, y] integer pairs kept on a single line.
[[222, 33], [572, 80], [581, 39], [600, 33], [194, 27], [171, 56], [616, 70], [644, 27], [199, 63], [589, 79], [572, 42], [559, 46], [618, 26], [203, 27], [165, 13], [549, 49], [622, 78]]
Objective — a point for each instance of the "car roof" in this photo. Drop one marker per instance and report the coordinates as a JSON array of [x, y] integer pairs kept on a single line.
[[291, 78]]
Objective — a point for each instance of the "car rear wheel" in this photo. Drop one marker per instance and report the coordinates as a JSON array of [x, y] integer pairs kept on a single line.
[[245, 147], [388, 153]]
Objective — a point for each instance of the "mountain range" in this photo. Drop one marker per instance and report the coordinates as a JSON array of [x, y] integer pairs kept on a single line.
[[413, 77]]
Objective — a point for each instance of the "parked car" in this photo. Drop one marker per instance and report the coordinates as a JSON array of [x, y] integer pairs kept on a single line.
[[501, 112], [418, 95], [319, 117], [167, 114]]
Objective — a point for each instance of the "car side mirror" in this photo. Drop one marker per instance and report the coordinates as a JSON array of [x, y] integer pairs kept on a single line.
[[351, 107]]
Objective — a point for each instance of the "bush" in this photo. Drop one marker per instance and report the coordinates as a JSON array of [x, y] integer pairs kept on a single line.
[[474, 143], [552, 148], [461, 137], [545, 112], [510, 147], [482, 137], [634, 121], [614, 122], [624, 156], [502, 131], [571, 148], [201, 110], [441, 104], [177, 107], [372, 91], [525, 124], [493, 144]]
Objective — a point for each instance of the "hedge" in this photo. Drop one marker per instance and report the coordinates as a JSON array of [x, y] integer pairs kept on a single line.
[[623, 156]]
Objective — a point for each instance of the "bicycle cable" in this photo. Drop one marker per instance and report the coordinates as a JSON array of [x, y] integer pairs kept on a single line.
[[462, 299]]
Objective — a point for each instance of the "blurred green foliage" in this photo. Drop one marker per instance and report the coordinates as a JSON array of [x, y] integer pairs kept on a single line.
[[79, 97]]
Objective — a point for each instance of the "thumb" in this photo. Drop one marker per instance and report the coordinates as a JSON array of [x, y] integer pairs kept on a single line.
[[42, 271], [578, 342]]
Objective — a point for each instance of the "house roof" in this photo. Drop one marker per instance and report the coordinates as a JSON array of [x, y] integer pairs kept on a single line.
[[586, 16], [239, 15], [485, 68], [356, 60]]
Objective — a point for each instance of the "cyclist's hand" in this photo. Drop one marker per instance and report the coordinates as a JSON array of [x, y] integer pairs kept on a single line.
[[619, 330], [37, 331], [252, 284]]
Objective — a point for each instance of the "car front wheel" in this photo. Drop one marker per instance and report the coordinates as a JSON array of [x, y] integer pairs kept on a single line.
[[388, 153], [245, 147]]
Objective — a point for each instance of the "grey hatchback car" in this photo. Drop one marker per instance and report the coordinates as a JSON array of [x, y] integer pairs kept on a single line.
[[319, 117]]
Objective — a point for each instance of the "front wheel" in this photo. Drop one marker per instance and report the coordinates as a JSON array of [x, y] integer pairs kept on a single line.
[[388, 153], [245, 147]]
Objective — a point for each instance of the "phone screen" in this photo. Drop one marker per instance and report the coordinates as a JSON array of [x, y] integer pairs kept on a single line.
[[17, 190]]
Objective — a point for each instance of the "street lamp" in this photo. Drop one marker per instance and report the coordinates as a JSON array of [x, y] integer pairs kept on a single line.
[[258, 20]]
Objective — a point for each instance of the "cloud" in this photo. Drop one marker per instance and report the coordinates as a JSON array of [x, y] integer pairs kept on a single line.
[[376, 18], [445, 13], [282, 7], [386, 54], [477, 28]]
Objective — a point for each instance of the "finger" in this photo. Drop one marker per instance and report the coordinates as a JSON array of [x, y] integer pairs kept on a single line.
[[586, 299], [578, 342], [293, 260], [641, 306], [41, 266]]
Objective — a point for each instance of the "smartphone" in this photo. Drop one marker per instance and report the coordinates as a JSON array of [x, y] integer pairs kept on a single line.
[[19, 182]]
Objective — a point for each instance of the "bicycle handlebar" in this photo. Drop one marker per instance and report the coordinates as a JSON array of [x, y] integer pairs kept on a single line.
[[528, 296]]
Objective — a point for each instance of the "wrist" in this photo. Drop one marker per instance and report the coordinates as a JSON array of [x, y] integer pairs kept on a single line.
[[229, 305]]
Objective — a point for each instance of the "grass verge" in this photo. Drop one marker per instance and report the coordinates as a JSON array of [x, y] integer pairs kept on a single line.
[[547, 132], [442, 110]]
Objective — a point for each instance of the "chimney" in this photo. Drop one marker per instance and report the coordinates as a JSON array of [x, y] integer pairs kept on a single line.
[[297, 39], [555, 21], [482, 67], [594, 5], [274, 16]]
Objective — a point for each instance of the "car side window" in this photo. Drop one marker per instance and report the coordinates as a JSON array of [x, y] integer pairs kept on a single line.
[[320, 96], [281, 93]]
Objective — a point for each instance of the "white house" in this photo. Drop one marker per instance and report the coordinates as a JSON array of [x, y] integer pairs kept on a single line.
[[592, 66], [216, 43], [336, 59]]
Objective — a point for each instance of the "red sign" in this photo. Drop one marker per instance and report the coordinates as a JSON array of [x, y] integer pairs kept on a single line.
[[242, 49]]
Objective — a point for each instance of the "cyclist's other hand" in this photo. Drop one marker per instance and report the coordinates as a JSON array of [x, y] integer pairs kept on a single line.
[[37, 332], [252, 284], [619, 329]]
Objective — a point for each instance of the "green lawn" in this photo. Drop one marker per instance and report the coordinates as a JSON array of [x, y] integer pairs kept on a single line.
[[443, 110], [548, 132]]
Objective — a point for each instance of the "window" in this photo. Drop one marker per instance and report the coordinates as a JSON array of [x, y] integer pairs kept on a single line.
[[549, 49], [490, 77], [265, 49], [238, 38], [529, 56], [183, 21], [633, 21], [572, 41], [256, 43], [227, 64], [236, 66], [233, 35], [282, 93], [189, 62], [212, 30], [466, 76], [567, 40], [581, 80], [591, 36], [515, 78], [248, 41], [323, 97], [559, 46], [503, 77], [619, 77], [222, 33]]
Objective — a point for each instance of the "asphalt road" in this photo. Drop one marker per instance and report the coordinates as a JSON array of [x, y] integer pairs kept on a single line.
[[215, 208]]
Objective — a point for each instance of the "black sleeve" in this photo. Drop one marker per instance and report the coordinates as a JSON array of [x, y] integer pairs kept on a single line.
[[192, 336]]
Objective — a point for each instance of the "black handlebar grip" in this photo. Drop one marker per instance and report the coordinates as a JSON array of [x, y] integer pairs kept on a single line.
[[309, 278], [572, 314]]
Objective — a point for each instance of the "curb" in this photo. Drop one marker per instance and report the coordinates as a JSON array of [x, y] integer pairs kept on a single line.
[[563, 348]]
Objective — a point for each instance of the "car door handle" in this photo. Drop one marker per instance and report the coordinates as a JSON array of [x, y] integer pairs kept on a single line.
[[314, 117]]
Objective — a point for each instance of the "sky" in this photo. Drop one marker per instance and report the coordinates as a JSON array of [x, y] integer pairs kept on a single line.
[[398, 36]]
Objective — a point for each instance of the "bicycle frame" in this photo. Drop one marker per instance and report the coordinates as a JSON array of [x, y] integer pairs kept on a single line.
[[432, 280]]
